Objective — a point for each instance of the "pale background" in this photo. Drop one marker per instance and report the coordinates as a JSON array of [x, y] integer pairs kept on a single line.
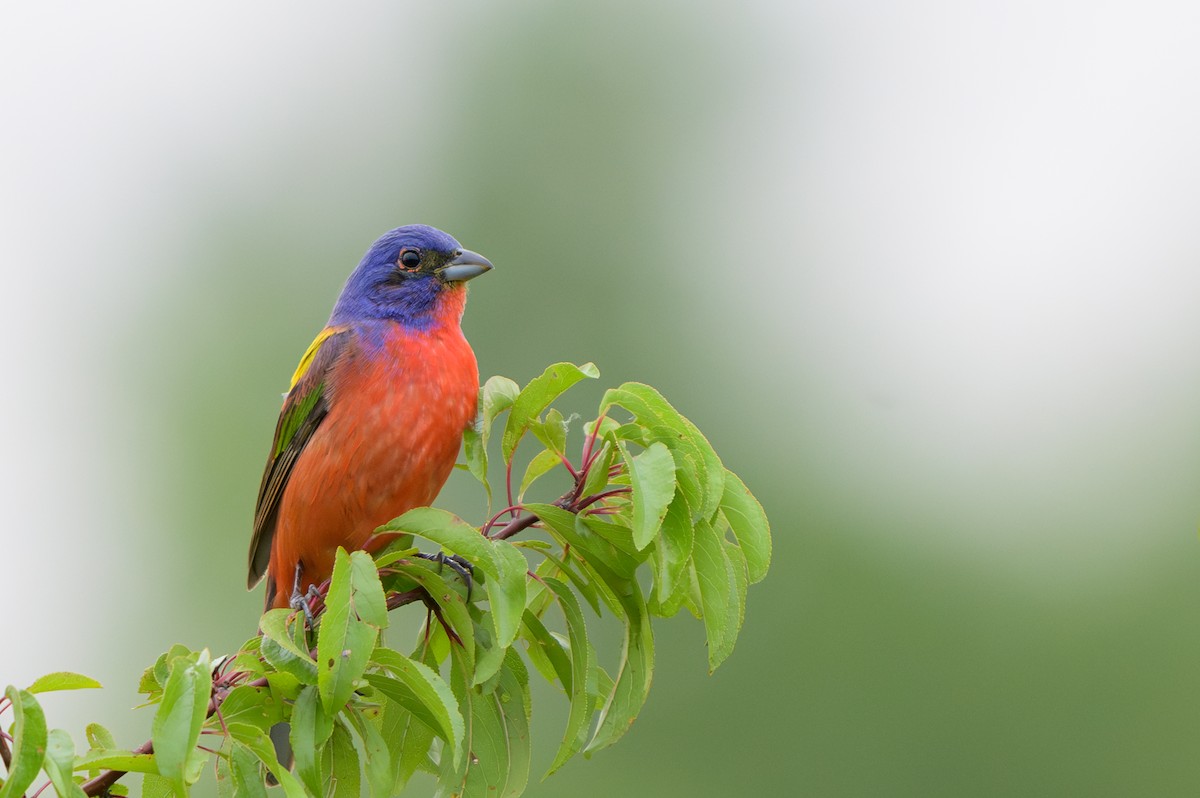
[[925, 272]]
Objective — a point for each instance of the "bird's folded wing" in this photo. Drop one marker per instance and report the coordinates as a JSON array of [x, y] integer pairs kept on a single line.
[[304, 408]]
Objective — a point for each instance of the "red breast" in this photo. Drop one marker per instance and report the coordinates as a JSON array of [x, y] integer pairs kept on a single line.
[[388, 444]]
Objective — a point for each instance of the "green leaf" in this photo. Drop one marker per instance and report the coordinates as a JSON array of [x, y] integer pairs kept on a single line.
[[568, 528], [114, 759], [498, 735], [597, 476], [541, 464], [29, 742], [537, 396], [280, 627], [155, 676], [247, 778], [99, 737], [376, 760], [718, 593], [673, 551], [224, 776], [409, 742], [369, 601], [422, 691], [700, 473], [344, 640], [63, 680], [450, 602], [583, 666], [652, 476], [179, 718], [632, 683], [737, 609], [749, 523], [60, 764], [476, 456], [503, 565], [546, 652], [305, 737], [261, 747], [155, 786], [347, 778], [246, 704], [496, 396], [554, 566], [552, 431]]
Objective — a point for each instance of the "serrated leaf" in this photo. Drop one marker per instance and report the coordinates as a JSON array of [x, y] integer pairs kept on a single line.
[[450, 603], [737, 610], [497, 736], [700, 473], [673, 551], [652, 476], [116, 759], [567, 527], [346, 778], [305, 737], [278, 645], [554, 566], [344, 640], [63, 680], [29, 742], [718, 593], [369, 602], [408, 740], [537, 396], [583, 665], [155, 786], [247, 778], [259, 744], [224, 776], [423, 692], [597, 476], [545, 651], [503, 565], [179, 718], [749, 523], [496, 396], [99, 737], [60, 764], [551, 431], [376, 759], [476, 456], [541, 464], [632, 682], [246, 704]]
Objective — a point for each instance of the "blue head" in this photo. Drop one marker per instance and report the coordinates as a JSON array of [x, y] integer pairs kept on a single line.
[[406, 276]]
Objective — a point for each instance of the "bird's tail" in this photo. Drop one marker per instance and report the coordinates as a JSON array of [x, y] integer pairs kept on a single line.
[[283, 748]]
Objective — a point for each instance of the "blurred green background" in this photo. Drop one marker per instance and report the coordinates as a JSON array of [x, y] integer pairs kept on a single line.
[[925, 273]]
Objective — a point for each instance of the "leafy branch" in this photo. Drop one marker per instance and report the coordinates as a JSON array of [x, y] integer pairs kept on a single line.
[[652, 523]]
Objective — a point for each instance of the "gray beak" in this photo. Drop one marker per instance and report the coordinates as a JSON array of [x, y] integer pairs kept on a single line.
[[466, 265]]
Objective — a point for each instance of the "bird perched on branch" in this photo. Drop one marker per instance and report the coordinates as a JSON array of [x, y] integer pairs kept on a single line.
[[372, 423]]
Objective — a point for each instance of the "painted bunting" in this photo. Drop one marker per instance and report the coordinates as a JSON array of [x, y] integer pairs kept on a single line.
[[372, 423]]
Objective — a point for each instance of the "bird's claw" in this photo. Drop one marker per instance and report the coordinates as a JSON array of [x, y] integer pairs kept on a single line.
[[457, 564], [301, 601]]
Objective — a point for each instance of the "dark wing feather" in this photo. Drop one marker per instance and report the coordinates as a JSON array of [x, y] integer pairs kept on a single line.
[[306, 405]]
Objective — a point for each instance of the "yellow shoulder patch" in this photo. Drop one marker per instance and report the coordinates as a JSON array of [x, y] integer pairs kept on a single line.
[[311, 353]]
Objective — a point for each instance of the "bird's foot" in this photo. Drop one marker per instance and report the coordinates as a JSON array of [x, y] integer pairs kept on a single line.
[[302, 601], [457, 564]]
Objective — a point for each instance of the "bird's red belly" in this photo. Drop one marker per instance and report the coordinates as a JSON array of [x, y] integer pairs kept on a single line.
[[388, 444]]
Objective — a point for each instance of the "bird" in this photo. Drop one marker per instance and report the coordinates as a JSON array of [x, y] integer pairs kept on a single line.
[[372, 423]]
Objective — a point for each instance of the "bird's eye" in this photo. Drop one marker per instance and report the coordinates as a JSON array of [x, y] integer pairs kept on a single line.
[[410, 258]]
